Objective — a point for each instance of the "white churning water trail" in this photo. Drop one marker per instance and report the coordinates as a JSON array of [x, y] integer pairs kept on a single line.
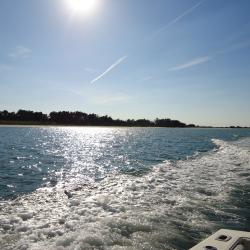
[[167, 208]]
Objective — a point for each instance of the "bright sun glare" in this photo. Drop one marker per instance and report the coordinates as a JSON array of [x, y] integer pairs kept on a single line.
[[83, 7]]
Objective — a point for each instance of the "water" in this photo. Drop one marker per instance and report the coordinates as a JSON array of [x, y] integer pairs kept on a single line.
[[121, 188]]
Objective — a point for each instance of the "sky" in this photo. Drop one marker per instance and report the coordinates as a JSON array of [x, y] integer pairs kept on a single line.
[[180, 59]]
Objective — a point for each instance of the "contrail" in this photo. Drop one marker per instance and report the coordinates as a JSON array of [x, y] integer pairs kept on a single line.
[[205, 59], [192, 63], [172, 22], [109, 69], [178, 18]]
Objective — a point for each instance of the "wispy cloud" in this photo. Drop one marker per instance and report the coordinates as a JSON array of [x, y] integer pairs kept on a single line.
[[20, 52], [236, 46], [91, 70], [115, 98], [146, 78], [120, 60], [178, 18], [191, 63], [204, 59], [5, 67], [94, 96]]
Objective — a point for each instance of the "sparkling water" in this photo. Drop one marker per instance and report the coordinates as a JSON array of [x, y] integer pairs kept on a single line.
[[121, 188]]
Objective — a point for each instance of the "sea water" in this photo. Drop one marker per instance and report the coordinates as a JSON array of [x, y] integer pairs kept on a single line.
[[121, 188]]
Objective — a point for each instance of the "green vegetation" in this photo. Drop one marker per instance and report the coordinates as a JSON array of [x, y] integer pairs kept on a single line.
[[26, 117]]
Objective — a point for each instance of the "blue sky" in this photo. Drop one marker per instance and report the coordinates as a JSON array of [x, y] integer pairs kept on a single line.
[[182, 59]]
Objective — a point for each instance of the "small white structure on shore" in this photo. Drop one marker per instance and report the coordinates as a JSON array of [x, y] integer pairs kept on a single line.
[[225, 240]]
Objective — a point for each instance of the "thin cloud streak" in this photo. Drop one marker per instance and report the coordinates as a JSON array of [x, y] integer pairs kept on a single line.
[[178, 18], [146, 78], [119, 61], [91, 70], [20, 52], [115, 98], [4, 67], [205, 59], [192, 63], [235, 47]]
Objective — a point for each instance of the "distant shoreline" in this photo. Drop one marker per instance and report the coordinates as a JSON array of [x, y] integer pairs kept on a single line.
[[30, 125], [81, 119], [78, 118]]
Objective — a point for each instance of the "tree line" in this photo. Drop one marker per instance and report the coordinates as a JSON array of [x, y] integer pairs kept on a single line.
[[84, 119]]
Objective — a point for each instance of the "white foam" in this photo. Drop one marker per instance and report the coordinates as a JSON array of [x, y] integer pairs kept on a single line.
[[129, 212]]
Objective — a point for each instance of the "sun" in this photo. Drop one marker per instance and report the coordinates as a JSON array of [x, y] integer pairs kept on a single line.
[[83, 7]]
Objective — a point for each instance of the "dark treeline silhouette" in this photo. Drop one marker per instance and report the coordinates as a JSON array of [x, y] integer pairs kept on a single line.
[[23, 115], [83, 119]]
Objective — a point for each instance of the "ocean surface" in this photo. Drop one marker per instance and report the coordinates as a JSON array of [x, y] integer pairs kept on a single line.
[[121, 188]]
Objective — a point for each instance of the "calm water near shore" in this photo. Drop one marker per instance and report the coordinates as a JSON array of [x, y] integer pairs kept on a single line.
[[126, 188]]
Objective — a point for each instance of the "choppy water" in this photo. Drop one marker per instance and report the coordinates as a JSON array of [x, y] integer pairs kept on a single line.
[[127, 188]]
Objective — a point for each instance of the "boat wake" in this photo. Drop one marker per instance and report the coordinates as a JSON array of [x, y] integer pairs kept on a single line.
[[171, 207]]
